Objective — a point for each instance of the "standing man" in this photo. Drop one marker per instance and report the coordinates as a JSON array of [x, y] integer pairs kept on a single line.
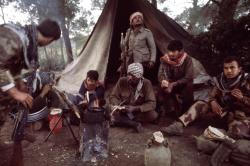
[[176, 78], [139, 43], [133, 100], [18, 50]]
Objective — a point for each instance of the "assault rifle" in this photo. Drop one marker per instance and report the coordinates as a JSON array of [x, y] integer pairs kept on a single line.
[[19, 125], [124, 54]]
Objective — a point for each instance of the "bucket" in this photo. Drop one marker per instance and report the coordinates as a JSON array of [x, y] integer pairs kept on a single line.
[[55, 121]]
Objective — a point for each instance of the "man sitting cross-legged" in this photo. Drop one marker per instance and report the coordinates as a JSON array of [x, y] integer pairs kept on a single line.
[[136, 96]]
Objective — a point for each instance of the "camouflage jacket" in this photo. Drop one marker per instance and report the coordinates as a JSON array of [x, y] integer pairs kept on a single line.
[[141, 45], [124, 91], [14, 44], [226, 100], [181, 74]]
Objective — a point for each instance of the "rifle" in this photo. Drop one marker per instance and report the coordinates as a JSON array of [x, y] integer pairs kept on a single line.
[[124, 54], [20, 122]]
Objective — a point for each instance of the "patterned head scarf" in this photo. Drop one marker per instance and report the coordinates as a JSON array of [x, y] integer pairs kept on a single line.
[[132, 16], [135, 69]]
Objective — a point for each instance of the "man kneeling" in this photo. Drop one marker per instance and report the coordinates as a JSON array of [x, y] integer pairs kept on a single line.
[[133, 100]]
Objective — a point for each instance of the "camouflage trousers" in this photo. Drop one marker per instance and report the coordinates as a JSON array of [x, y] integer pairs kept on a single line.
[[197, 110], [238, 126]]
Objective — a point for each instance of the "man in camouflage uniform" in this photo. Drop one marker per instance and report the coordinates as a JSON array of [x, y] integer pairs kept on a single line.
[[18, 50], [230, 99], [140, 43], [134, 93]]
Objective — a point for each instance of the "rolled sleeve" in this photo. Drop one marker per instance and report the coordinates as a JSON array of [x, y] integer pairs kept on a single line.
[[6, 80], [7, 87]]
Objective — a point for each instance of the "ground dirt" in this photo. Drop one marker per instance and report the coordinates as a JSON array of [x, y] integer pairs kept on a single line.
[[126, 148]]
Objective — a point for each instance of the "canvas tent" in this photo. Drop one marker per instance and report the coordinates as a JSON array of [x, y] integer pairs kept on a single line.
[[102, 52]]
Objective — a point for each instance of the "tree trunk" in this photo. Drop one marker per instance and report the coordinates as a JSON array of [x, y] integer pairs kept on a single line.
[[62, 53], [154, 2], [65, 33], [65, 30]]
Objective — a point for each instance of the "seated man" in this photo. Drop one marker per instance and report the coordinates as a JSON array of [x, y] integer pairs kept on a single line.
[[176, 78], [94, 135], [136, 96], [91, 84], [230, 98]]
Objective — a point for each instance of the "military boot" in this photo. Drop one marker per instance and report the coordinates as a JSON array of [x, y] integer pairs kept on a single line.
[[175, 128]]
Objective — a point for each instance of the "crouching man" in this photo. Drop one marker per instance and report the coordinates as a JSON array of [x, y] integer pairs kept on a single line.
[[176, 79], [133, 100]]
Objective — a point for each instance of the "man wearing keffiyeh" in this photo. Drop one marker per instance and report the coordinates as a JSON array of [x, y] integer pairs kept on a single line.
[[136, 96], [176, 78]]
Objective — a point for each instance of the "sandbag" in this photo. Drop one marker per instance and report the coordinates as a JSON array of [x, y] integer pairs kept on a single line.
[[241, 153]]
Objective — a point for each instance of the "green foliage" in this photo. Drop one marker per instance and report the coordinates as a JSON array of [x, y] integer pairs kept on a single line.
[[222, 40], [197, 18]]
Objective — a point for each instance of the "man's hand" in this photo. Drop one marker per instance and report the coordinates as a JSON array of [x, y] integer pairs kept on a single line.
[[164, 84], [130, 108], [22, 97], [216, 108], [237, 94], [171, 86]]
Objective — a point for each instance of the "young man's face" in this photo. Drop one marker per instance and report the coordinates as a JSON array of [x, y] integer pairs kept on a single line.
[[91, 83], [173, 55], [137, 20], [232, 69], [42, 40]]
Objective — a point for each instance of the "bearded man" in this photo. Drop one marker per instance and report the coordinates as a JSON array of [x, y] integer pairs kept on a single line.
[[139, 42], [135, 95]]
